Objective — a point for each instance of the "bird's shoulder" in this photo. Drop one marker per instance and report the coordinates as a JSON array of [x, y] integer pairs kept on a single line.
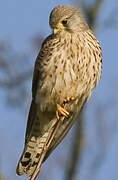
[[50, 41], [45, 52]]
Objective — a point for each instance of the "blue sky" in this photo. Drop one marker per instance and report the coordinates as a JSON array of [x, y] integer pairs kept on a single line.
[[19, 22]]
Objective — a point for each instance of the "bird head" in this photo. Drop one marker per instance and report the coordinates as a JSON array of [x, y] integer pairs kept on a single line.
[[67, 18]]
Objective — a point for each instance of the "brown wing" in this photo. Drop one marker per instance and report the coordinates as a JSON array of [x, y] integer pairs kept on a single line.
[[37, 137], [36, 77], [32, 111]]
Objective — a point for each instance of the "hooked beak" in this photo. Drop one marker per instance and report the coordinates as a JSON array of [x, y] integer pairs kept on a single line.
[[55, 30], [58, 28]]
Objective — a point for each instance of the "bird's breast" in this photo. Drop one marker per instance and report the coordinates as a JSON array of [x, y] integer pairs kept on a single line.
[[58, 84], [71, 70]]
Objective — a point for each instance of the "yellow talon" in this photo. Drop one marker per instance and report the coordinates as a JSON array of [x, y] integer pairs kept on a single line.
[[61, 111]]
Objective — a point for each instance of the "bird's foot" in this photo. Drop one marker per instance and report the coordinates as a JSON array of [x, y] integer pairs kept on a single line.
[[61, 111]]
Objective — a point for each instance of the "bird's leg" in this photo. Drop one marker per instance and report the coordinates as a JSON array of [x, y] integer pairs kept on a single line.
[[61, 111]]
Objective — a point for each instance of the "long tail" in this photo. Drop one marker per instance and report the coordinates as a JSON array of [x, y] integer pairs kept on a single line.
[[36, 144]]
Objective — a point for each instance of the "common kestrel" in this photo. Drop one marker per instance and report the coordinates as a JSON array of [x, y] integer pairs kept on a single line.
[[66, 71]]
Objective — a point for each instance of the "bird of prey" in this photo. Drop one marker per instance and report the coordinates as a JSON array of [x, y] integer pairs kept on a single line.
[[67, 69]]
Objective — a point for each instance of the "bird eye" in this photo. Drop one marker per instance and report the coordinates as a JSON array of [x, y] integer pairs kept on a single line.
[[64, 22]]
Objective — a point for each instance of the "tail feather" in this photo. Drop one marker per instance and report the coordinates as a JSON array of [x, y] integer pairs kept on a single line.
[[37, 135], [31, 155]]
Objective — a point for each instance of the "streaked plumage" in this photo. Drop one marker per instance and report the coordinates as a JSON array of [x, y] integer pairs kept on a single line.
[[66, 71]]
